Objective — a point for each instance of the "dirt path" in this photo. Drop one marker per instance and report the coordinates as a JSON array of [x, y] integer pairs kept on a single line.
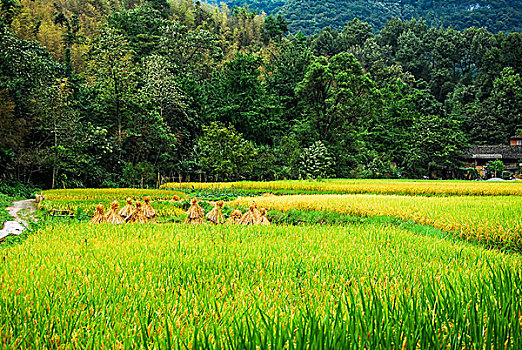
[[19, 224], [29, 205]]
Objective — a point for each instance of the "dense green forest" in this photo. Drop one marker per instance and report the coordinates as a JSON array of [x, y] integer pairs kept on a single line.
[[310, 16], [121, 93]]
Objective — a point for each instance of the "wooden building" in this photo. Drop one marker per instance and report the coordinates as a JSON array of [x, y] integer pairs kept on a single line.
[[516, 141], [479, 156]]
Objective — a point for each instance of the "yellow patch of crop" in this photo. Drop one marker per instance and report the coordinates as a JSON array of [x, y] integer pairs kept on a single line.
[[340, 186], [492, 220]]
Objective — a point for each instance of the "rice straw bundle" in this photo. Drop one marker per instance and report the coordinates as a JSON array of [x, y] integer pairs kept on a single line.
[[38, 198], [216, 215], [255, 208], [174, 199], [127, 210], [262, 218], [251, 217], [195, 214], [137, 215], [235, 216], [99, 216], [148, 210], [112, 216]]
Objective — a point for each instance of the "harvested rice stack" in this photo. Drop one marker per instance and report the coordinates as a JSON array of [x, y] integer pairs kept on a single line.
[[174, 199], [251, 217], [127, 210], [138, 216], [38, 198], [216, 215], [255, 208], [148, 210], [262, 218], [235, 216], [99, 216], [112, 216], [195, 214]]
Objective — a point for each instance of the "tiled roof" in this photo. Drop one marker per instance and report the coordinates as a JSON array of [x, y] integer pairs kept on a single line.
[[494, 152]]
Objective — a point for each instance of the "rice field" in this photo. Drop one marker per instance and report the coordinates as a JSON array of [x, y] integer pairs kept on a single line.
[[493, 221], [343, 186], [96, 194], [367, 285], [162, 286], [83, 201]]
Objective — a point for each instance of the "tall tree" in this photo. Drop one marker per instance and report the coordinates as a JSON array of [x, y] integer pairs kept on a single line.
[[112, 71], [224, 153], [239, 96], [335, 95]]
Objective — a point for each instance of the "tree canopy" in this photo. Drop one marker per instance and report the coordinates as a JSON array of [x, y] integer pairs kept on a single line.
[[97, 93]]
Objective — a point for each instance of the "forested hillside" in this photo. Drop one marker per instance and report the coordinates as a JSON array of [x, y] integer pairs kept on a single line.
[[310, 16], [112, 93]]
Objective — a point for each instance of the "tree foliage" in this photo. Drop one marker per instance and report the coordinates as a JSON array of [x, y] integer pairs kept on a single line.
[[224, 154], [118, 93]]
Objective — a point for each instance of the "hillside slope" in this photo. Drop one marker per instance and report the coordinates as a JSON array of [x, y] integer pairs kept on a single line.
[[310, 16]]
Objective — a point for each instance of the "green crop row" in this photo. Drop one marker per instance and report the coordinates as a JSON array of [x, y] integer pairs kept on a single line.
[[493, 221], [160, 286]]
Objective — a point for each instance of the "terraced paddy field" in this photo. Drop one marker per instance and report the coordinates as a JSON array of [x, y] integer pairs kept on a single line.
[[368, 284], [343, 186], [495, 221]]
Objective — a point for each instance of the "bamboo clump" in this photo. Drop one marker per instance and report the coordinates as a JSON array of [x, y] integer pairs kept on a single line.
[[148, 210], [138, 216], [216, 215], [113, 216], [195, 214], [235, 216], [99, 216]]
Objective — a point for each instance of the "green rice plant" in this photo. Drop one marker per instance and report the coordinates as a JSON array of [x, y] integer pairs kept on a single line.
[[493, 221], [180, 286]]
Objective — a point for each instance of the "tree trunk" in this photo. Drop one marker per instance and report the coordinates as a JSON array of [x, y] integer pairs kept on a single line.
[[55, 154], [118, 112]]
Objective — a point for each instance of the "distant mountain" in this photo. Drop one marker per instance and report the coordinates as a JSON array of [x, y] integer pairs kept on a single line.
[[310, 16]]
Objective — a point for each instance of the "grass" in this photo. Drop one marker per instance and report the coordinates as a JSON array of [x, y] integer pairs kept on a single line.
[[5, 201], [161, 286], [347, 186], [9, 241], [493, 221]]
